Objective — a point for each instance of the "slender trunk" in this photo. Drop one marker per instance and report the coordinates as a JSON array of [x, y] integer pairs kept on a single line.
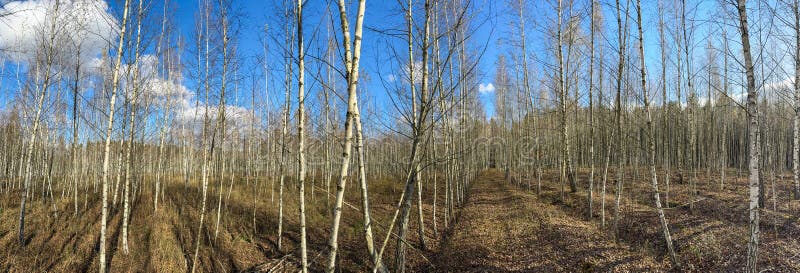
[[691, 112], [208, 152], [680, 126], [121, 151], [284, 131], [724, 141], [418, 128], [796, 138], [591, 113], [221, 114], [754, 156], [74, 149], [620, 134], [665, 110], [651, 144], [352, 55], [327, 129], [28, 158], [109, 129], [362, 178], [421, 218], [566, 161], [301, 116], [605, 179], [129, 160], [165, 118]]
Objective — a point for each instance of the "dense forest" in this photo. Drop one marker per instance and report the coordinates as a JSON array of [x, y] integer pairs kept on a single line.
[[400, 136]]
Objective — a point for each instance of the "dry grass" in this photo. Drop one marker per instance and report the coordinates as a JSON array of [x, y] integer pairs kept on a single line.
[[164, 241], [711, 237], [503, 228]]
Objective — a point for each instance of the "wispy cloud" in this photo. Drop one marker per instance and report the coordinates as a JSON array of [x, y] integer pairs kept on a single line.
[[417, 69]]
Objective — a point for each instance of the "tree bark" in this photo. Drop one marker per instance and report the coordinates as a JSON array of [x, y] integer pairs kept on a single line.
[[109, 129], [754, 156], [796, 137], [591, 111], [566, 160], [208, 152], [49, 59], [651, 144], [285, 125], [620, 134], [129, 160], [301, 116], [352, 57], [418, 128]]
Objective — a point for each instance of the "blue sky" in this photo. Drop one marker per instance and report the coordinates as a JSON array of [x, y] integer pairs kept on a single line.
[[379, 15], [378, 67], [493, 33]]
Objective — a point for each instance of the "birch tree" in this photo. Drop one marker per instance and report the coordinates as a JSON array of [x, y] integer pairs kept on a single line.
[[419, 115], [566, 160], [208, 151], [109, 130], [129, 150], [352, 58], [221, 114], [796, 137], [754, 151], [618, 109], [591, 109], [651, 145], [285, 123], [47, 53], [301, 115]]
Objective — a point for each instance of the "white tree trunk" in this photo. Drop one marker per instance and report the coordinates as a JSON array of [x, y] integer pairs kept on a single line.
[[620, 134], [651, 144], [109, 129], [129, 160], [353, 119], [301, 116], [755, 156], [796, 137]]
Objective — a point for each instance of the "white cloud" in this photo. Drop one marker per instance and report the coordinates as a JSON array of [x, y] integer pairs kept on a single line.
[[740, 98], [77, 26], [237, 118], [785, 84], [82, 30], [703, 100], [486, 88], [189, 111], [163, 90]]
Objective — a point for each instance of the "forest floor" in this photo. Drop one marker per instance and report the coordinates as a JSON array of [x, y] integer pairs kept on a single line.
[[504, 226], [58, 240], [505, 229]]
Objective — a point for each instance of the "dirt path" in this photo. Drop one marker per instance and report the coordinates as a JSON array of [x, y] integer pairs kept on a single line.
[[505, 229]]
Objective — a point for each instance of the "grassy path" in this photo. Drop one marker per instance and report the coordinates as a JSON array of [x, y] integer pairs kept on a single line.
[[505, 229]]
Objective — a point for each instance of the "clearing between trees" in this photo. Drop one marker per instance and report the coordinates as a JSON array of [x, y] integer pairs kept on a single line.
[[505, 228]]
